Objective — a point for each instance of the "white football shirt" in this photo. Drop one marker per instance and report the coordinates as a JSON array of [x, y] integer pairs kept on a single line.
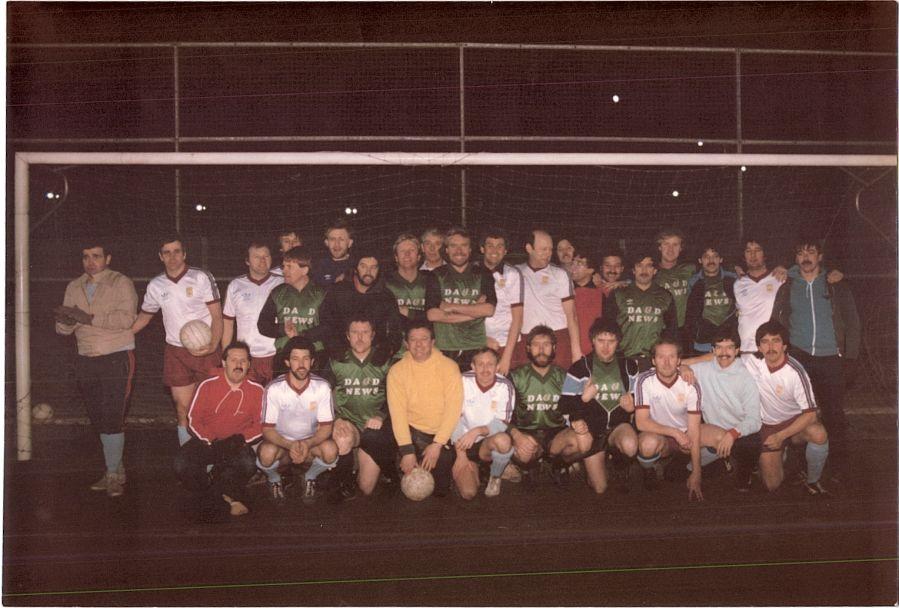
[[481, 407], [509, 293], [296, 415], [668, 405], [784, 392], [755, 302], [544, 292], [244, 299], [181, 299]]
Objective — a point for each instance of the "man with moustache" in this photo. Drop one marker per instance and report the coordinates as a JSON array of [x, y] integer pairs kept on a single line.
[[644, 311], [460, 295], [730, 406], [825, 334], [788, 410], [225, 418], [297, 418], [365, 294], [504, 325], [710, 304]]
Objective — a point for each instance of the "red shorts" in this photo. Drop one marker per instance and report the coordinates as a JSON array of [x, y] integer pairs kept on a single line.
[[261, 369], [674, 447], [563, 350], [180, 368], [770, 429]]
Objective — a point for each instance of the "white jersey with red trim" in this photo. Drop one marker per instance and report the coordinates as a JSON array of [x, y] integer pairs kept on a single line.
[[544, 292], [181, 299], [784, 392], [509, 293], [755, 302], [480, 407], [669, 405], [244, 299], [297, 414]]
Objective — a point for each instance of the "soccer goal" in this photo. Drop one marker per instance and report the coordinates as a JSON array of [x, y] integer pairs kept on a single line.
[[619, 198]]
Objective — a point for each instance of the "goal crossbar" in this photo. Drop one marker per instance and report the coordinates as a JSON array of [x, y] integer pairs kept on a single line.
[[23, 160]]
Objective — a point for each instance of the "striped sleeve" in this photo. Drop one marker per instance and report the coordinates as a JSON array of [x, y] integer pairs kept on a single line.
[[802, 387], [639, 401]]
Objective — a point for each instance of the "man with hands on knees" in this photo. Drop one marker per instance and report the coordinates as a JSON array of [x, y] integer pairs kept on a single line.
[[668, 415], [424, 396]]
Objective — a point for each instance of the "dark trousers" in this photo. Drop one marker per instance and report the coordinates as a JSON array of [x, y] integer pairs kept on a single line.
[[105, 383], [443, 472], [826, 374], [230, 472], [746, 450]]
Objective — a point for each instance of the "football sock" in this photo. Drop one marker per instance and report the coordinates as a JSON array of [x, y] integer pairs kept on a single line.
[[500, 460], [113, 446], [270, 471], [815, 457], [318, 467]]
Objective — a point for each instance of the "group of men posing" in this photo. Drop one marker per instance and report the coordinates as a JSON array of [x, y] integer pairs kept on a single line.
[[469, 368]]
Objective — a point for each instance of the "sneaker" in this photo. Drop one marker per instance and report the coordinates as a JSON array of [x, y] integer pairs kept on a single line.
[[310, 493], [257, 479], [100, 484], [276, 491], [342, 493], [651, 478], [511, 473], [114, 487], [494, 486], [815, 489]]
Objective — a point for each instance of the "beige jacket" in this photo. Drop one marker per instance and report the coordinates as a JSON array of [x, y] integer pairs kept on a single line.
[[114, 308]]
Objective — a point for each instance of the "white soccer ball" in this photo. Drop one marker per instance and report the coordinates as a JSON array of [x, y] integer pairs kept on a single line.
[[195, 335], [417, 485], [42, 412]]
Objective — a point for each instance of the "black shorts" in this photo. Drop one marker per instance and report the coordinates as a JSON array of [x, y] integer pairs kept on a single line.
[[473, 453], [544, 437], [380, 444]]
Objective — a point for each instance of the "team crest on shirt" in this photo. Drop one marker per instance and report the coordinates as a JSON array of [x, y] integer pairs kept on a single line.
[[544, 279], [769, 287], [681, 397], [502, 282], [190, 292], [779, 389], [493, 406], [313, 405]]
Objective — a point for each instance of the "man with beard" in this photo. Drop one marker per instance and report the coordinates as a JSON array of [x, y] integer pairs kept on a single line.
[[644, 311], [226, 419], [297, 418], [788, 410], [459, 297], [596, 398], [334, 267], [825, 334], [363, 293], [538, 427], [730, 406], [408, 283]]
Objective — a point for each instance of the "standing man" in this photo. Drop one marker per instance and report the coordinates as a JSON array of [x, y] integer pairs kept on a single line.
[[293, 307], [644, 311], [297, 418], [287, 240], [588, 298], [504, 325], [460, 295], [824, 331], [244, 299], [565, 252], [711, 303], [335, 266], [432, 249], [596, 397], [360, 393], [548, 300], [668, 416], [183, 293], [788, 410], [424, 395], [611, 271], [730, 406], [99, 307], [226, 420], [480, 435], [673, 274], [754, 293], [362, 293], [408, 283]]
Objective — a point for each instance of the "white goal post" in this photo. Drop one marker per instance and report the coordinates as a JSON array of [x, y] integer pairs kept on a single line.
[[23, 160]]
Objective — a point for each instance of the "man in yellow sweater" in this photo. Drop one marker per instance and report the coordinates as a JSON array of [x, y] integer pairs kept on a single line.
[[424, 394]]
